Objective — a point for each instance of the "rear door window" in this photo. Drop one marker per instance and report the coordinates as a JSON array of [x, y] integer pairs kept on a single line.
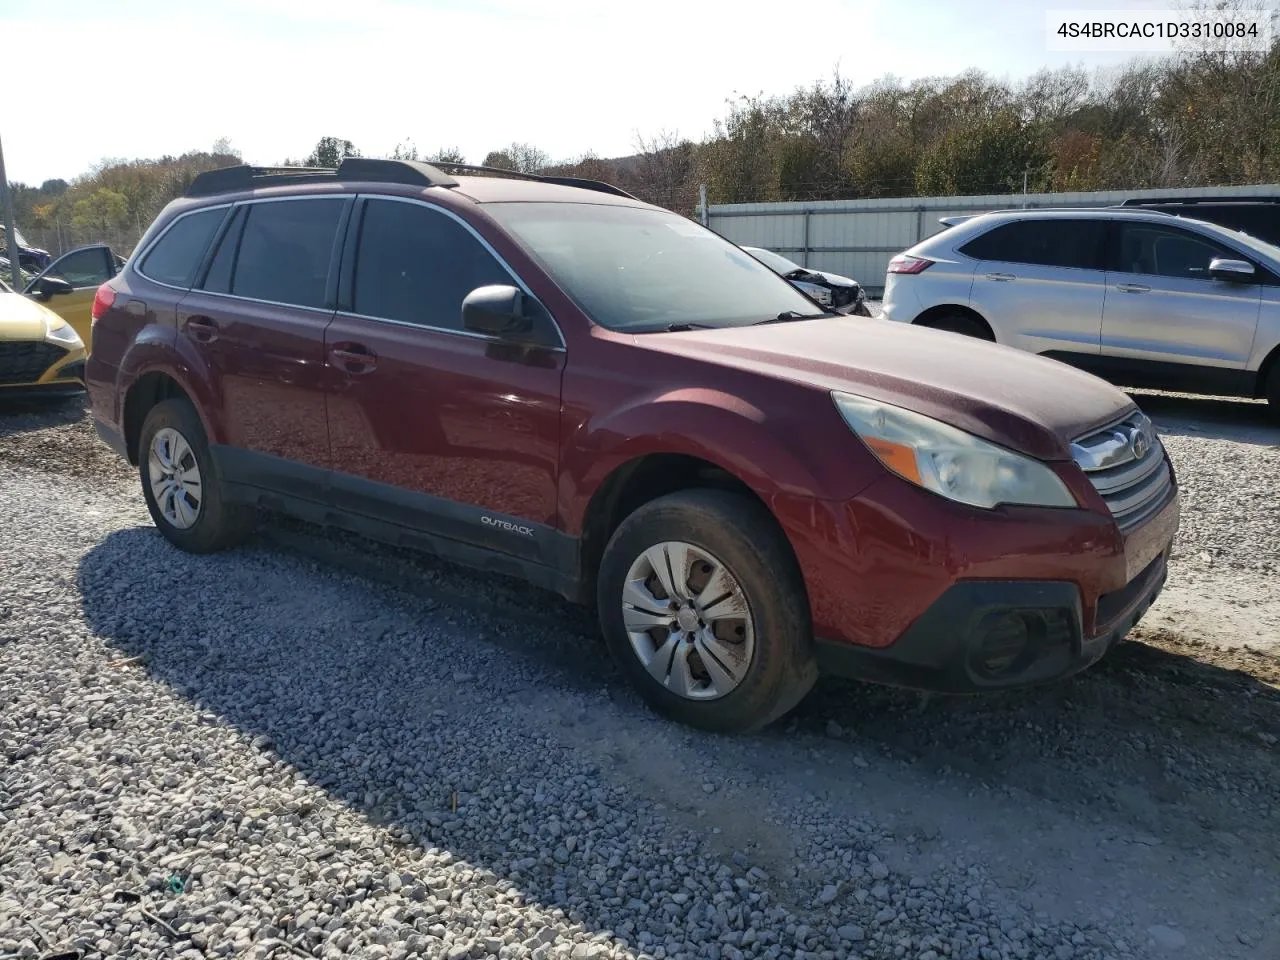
[[285, 250], [1078, 244], [177, 254], [218, 277]]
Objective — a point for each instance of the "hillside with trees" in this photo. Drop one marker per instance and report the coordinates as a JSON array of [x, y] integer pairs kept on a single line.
[[1188, 120]]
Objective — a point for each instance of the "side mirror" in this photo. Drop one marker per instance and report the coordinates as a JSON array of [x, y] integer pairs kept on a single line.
[[1231, 271], [47, 287], [496, 311]]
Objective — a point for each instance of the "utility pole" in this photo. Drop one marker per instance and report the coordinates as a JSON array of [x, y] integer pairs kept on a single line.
[[1024, 189], [10, 226], [702, 203]]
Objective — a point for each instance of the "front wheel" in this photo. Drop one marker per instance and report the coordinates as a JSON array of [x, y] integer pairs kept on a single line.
[[181, 485], [703, 609]]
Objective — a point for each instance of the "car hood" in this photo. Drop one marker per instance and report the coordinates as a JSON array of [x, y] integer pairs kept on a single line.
[[835, 279], [1018, 400], [22, 319]]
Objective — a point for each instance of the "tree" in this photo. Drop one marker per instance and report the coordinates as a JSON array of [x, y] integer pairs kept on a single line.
[[819, 128], [447, 155], [738, 162], [990, 156], [1076, 160], [663, 171], [222, 148], [1051, 97], [101, 212], [329, 152], [883, 166], [521, 157], [405, 151], [499, 160]]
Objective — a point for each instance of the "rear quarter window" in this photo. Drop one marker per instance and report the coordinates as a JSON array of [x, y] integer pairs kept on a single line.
[[177, 254]]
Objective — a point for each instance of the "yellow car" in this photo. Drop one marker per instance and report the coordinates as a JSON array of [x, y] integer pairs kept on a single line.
[[40, 352], [67, 286]]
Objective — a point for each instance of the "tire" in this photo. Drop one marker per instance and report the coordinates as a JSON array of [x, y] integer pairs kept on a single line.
[[963, 323], [214, 524], [740, 670]]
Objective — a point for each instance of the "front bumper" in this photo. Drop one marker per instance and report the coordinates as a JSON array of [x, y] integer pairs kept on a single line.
[[39, 368], [908, 587], [39, 391], [987, 634]]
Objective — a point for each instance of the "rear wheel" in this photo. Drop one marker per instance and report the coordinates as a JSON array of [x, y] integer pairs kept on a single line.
[[957, 321], [181, 485], [704, 611]]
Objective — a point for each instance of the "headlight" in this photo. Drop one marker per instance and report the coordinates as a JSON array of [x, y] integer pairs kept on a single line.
[[950, 462], [60, 332]]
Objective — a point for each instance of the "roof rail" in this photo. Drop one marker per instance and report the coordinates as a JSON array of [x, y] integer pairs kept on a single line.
[[1143, 201], [1082, 208], [1136, 208], [414, 173], [244, 177], [598, 185]]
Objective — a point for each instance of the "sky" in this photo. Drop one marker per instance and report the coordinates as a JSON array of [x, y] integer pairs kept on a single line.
[[144, 78]]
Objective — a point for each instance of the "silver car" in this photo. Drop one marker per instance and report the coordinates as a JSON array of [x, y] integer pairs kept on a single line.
[[1143, 299]]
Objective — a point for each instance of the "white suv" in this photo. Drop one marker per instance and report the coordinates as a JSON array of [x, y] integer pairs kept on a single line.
[[1143, 299]]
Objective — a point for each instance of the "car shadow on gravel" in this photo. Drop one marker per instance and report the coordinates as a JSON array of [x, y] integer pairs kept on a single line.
[[1148, 737], [1151, 735], [1222, 418], [24, 414]]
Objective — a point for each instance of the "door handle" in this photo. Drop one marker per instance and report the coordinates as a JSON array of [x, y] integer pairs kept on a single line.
[[1133, 287], [353, 358], [1001, 277], [201, 329]]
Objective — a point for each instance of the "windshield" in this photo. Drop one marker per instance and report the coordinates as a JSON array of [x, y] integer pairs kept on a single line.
[[640, 270], [774, 261]]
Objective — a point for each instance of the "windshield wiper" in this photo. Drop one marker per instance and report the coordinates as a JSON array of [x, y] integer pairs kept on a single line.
[[786, 316], [680, 326]]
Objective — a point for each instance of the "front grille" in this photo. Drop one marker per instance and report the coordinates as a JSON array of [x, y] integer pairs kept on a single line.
[[22, 361], [1126, 464]]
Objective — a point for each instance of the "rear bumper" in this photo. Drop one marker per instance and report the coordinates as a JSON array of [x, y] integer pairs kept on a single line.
[[988, 634]]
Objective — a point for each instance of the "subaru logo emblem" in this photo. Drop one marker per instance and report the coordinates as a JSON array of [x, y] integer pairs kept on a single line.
[[1140, 442]]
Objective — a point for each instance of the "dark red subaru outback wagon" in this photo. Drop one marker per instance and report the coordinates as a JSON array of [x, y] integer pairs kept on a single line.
[[550, 379]]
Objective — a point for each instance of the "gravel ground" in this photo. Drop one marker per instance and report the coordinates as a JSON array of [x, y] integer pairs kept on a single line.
[[317, 747]]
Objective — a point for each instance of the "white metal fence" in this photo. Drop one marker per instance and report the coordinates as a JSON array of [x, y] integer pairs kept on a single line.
[[857, 238]]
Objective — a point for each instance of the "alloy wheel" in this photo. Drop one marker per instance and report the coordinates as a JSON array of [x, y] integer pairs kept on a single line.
[[175, 478], [688, 620]]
